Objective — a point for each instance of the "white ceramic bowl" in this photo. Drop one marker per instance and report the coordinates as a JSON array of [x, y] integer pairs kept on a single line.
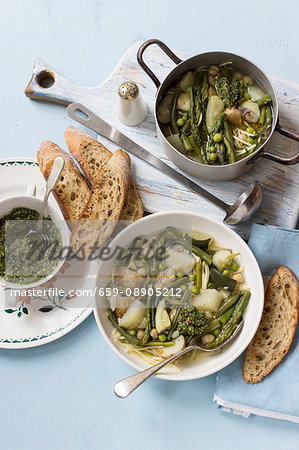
[[31, 202], [224, 236]]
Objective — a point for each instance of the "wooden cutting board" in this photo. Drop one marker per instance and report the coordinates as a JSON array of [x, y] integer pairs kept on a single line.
[[280, 184]]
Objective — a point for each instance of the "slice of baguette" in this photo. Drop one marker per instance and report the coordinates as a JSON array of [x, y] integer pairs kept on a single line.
[[277, 328], [71, 191], [91, 155], [104, 205]]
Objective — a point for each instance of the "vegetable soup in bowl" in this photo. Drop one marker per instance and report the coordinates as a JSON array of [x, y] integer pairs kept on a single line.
[[173, 285]]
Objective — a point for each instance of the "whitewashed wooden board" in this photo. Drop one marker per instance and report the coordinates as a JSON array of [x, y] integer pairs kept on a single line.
[[280, 184]]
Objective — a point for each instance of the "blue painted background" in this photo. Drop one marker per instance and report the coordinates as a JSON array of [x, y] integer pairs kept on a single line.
[[59, 396]]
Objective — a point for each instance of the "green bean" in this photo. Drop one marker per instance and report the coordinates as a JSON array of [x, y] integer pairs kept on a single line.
[[224, 318], [186, 142], [202, 254], [122, 331], [204, 155], [173, 122], [174, 323], [228, 303], [159, 344], [221, 280], [263, 113], [191, 110], [230, 151], [186, 127], [176, 316], [153, 311], [195, 146], [198, 275], [147, 330], [233, 322], [264, 100], [268, 118], [228, 133], [220, 152]]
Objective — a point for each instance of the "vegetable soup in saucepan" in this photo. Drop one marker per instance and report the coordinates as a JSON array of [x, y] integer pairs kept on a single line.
[[174, 288], [215, 115]]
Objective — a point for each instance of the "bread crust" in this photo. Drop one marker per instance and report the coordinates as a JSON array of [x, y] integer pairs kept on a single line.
[[120, 161], [281, 273], [46, 155], [76, 139]]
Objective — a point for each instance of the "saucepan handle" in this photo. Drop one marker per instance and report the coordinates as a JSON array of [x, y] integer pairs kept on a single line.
[[165, 49], [286, 161]]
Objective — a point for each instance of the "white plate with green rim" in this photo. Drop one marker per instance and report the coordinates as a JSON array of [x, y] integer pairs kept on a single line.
[[29, 321]]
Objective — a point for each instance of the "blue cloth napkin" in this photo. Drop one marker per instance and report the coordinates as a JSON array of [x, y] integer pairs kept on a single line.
[[277, 395]]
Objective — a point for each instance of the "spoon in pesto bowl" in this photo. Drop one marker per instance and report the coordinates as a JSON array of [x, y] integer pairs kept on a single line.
[[52, 180]]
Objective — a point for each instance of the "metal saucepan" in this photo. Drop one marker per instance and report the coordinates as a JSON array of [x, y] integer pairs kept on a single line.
[[194, 168]]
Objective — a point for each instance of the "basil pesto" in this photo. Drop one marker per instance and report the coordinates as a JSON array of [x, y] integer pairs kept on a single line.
[[22, 259]]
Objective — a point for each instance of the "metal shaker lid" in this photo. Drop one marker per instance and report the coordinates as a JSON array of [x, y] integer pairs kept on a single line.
[[128, 90]]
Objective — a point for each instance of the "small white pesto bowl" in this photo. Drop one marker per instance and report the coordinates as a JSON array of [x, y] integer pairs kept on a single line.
[[225, 237], [32, 202]]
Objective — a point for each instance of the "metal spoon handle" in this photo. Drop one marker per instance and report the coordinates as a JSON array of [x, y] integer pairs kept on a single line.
[[95, 123], [52, 180], [126, 386]]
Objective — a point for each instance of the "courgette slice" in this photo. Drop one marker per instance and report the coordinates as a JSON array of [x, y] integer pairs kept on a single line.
[[220, 280]]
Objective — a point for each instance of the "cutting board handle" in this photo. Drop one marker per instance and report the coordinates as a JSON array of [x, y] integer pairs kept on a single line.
[[47, 84]]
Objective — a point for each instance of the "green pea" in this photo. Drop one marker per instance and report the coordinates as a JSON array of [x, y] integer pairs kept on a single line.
[[226, 272], [179, 275], [217, 137], [133, 332], [185, 118], [183, 288], [180, 122], [212, 149], [162, 337], [250, 140], [250, 130], [191, 277], [213, 157], [234, 266], [162, 266], [195, 290], [143, 260]]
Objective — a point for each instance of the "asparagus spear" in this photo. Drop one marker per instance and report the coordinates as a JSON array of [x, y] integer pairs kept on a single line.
[[228, 303], [173, 122], [230, 150], [233, 322]]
